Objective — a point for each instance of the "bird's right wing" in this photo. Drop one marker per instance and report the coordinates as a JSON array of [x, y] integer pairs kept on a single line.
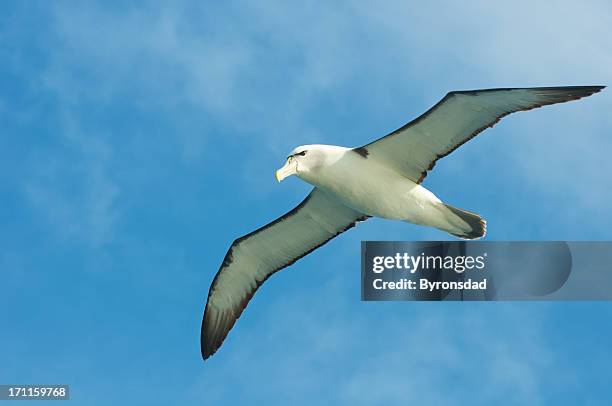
[[253, 258], [414, 148]]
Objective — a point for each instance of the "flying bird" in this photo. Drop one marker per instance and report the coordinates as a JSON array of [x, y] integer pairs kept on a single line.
[[380, 179]]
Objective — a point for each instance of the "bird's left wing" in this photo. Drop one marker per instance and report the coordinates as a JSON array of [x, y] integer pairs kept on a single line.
[[253, 258], [460, 116]]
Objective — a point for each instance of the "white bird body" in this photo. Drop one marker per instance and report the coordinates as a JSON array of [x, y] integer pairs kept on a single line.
[[370, 187]]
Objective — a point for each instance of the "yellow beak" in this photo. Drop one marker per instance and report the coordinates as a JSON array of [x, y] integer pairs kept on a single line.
[[289, 169]]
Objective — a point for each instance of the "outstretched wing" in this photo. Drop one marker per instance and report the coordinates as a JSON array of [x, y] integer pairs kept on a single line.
[[457, 118], [253, 258]]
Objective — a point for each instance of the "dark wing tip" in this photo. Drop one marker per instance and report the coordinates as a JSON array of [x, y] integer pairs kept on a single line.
[[553, 95], [558, 94], [586, 89], [590, 89], [207, 346], [597, 88], [575, 92], [215, 328], [217, 323]]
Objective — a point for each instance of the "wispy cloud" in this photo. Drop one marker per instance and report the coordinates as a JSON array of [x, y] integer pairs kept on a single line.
[[71, 187]]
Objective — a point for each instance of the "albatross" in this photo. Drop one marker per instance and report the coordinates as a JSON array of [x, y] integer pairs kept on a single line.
[[381, 179]]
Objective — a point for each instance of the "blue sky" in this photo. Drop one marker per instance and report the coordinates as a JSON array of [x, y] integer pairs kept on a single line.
[[139, 140]]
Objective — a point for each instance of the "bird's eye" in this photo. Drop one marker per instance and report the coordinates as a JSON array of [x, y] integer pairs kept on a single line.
[[301, 153]]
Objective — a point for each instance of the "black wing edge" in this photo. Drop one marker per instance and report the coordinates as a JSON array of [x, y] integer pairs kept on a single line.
[[581, 91], [211, 342]]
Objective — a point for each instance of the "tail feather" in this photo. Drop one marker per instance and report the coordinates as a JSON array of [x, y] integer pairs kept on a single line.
[[477, 226]]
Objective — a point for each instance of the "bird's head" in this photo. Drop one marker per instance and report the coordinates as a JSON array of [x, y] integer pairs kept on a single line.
[[303, 160]]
